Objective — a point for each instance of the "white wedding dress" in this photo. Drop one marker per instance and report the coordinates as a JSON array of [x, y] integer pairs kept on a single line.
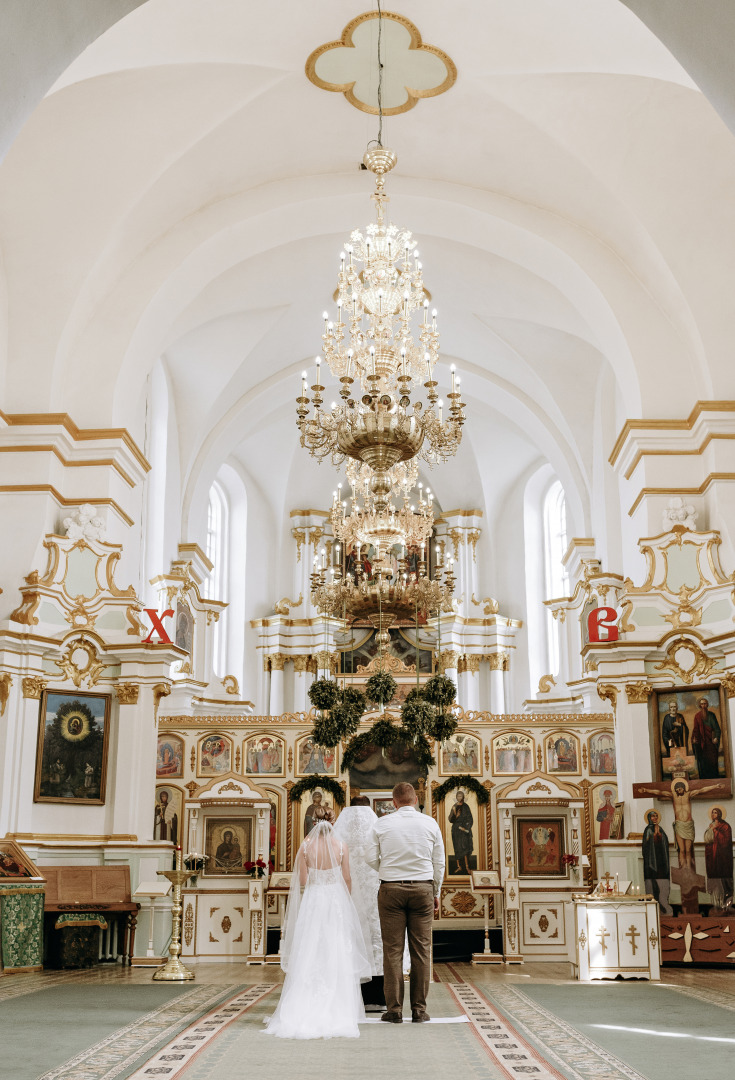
[[324, 952]]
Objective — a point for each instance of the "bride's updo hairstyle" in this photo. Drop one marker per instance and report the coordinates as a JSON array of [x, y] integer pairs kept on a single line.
[[329, 816]]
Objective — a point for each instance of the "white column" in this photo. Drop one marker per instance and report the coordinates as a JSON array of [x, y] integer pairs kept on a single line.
[[497, 663], [275, 707]]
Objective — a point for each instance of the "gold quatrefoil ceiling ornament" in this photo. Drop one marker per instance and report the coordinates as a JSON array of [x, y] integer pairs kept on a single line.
[[411, 69]]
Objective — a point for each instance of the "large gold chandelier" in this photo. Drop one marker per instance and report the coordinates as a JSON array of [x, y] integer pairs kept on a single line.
[[379, 359], [409, 526]]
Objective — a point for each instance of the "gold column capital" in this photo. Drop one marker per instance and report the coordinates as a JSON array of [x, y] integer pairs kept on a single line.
[[33, 686]]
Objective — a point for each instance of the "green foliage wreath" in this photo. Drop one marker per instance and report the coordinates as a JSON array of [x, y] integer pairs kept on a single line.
[[469, 783], [323, 693], [310, 783]]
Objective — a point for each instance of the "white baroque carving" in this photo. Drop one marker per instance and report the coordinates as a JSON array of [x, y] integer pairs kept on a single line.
[[679, 513], [84, 524]]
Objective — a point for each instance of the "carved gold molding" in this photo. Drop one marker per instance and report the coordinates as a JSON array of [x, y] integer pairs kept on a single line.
[[728, 683], [127, 693], [608, 692], [545, 684], [231, 685], [499, 661], [6, 681]]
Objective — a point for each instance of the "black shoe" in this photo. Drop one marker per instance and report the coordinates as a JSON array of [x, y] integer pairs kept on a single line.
[[392, 1018], [420, 1018]]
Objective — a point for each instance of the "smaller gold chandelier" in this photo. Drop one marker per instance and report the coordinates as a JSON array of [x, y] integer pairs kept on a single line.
[[368, 524], [382, 592]]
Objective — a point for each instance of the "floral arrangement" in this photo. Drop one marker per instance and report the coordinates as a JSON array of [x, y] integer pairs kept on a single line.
[[323, 693], [570, 860], [381, 688], [255, 869], [195, 862], [310, 783], [469, 783]]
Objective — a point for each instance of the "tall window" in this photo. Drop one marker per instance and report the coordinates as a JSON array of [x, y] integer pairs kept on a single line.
[[555, 546], [215, 586]]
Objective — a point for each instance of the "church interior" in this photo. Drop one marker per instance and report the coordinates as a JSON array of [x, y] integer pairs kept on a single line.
[[367, 415]]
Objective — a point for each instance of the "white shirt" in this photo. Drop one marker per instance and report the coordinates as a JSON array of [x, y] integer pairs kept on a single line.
[[407, 846]]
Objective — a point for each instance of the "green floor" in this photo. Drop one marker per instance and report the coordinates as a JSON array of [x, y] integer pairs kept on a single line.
[[43, 1031], [660, 1031]]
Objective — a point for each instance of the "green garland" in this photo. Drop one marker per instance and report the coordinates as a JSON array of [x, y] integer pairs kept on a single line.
[[468, 782], [417, 717], [309, 783], [381, 688], [323, 693], [339, 723], [383, 733], [444, 727], [440, 691], [421, 748]]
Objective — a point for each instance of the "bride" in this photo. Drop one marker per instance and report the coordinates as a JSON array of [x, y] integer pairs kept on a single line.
[[323, 951]]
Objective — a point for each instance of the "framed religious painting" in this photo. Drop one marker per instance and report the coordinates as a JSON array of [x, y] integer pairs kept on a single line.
[[617, 826], [690, 726], [461, 755], [512, 754], [603, 798], [314, 760], [71, 753], [214, 755], [168, 813], [378, 769], [184, 636], [540, 847], [227, 843], [169, 757], [562, 752], [264, 755], [461, 827], [15, 864], [306, 812], [382, 803], [601, 753]]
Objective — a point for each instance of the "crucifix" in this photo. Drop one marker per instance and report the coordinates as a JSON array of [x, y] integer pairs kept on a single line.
[[603, 934], [681, 792], [606, 877], [633, 934]]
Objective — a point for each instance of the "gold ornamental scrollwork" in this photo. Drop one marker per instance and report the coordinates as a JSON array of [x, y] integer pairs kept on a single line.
[[701, 667], [160, 690], [545, 684], [472, 537], [463, 902], [499, 661], [638, 693], [284, 605], [188, 924], [127, 693], [456, 537], [77, 671], [25, 613], [231, 685]]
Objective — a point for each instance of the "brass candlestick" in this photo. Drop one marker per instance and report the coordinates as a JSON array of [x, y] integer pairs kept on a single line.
[[173, 970]]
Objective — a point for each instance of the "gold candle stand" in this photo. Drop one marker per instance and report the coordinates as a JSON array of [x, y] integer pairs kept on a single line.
[[173, 970]]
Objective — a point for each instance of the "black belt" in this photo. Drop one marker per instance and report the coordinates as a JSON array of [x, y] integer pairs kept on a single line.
[[414, 881]]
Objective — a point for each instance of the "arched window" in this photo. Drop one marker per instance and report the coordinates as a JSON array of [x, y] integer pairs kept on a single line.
[[215, 586], [555, 546]]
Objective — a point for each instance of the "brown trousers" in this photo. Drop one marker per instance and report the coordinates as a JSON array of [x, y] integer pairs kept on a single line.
[[406, 908]]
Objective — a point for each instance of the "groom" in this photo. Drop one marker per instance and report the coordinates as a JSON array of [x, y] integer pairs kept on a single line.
[[406, 849]]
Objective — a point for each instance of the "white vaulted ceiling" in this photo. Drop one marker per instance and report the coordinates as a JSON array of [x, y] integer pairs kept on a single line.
[[182, 193]]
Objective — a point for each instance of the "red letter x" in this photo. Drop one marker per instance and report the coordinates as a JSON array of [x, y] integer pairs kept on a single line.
[[157, 626]]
